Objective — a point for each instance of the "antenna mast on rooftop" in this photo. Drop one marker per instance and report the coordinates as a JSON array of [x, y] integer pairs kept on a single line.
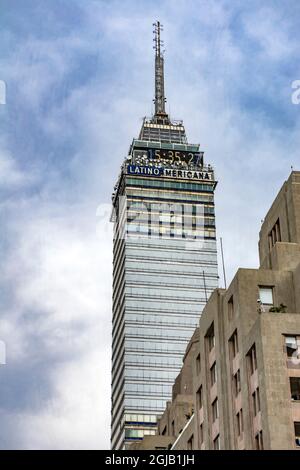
[[160, 99]]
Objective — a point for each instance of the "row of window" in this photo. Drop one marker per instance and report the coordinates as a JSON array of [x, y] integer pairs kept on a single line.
[[178, 208], [186, 293], [234, 348], [255, 398], [150, 374], [154, 405], [133, 230], [210, 343], [144, 332], [170, 257], [155, 183], [153, 305], [147, 359], [163, 195], [215, 416], [292, 343], [292, 346], [160, 134], [209, 248], [148, 389], [138, 433], [169, 220], [152, 346], [162, 319], [266, 298], [274, 235], [134, 418], [171, 279]]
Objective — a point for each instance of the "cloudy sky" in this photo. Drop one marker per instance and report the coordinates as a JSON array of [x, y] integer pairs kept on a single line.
[[79, 79]]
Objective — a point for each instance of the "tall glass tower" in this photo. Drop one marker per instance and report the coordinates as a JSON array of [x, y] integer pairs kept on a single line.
[[165, 264]]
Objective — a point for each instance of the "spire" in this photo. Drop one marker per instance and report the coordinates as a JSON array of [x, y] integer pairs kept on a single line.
[[159, 101]]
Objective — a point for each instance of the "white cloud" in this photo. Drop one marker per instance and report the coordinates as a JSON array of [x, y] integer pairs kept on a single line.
[[65, 421], [56, 268], [56, 314], [10, 173], [271, 29]]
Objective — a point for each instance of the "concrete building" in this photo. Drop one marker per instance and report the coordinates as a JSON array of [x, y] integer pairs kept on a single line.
[[164, 265], [247, 391], [246, 364]]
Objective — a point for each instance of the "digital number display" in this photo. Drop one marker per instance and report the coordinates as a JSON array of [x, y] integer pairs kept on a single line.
[[172, 156]]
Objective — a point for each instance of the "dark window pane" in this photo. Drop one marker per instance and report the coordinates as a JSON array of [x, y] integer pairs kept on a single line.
[[295, 388]]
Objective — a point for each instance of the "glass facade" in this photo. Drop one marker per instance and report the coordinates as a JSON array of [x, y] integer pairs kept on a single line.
[[165, 268]]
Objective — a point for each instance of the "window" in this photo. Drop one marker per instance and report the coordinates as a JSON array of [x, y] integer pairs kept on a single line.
[[230, 308], [190, 443], [215, 410], [266, 295], [198, 364], [295, 388], [239, 422], [201, 437], [274, 235], [252, 359], [217, 443], [134, 433], [173, 428], [297, 434], [199, 398], [213, 374], [291, 343], [256, 402], [210, 335], [211, 342], [149, 432], [234, 345], [259, 441], [237, 383]]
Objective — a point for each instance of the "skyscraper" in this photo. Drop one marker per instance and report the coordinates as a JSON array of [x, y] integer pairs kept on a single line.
[[165, 264]]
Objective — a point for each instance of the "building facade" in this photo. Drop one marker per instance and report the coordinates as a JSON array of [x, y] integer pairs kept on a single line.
[[164, 267], [247, 388], [176, 426], [246, 361]]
